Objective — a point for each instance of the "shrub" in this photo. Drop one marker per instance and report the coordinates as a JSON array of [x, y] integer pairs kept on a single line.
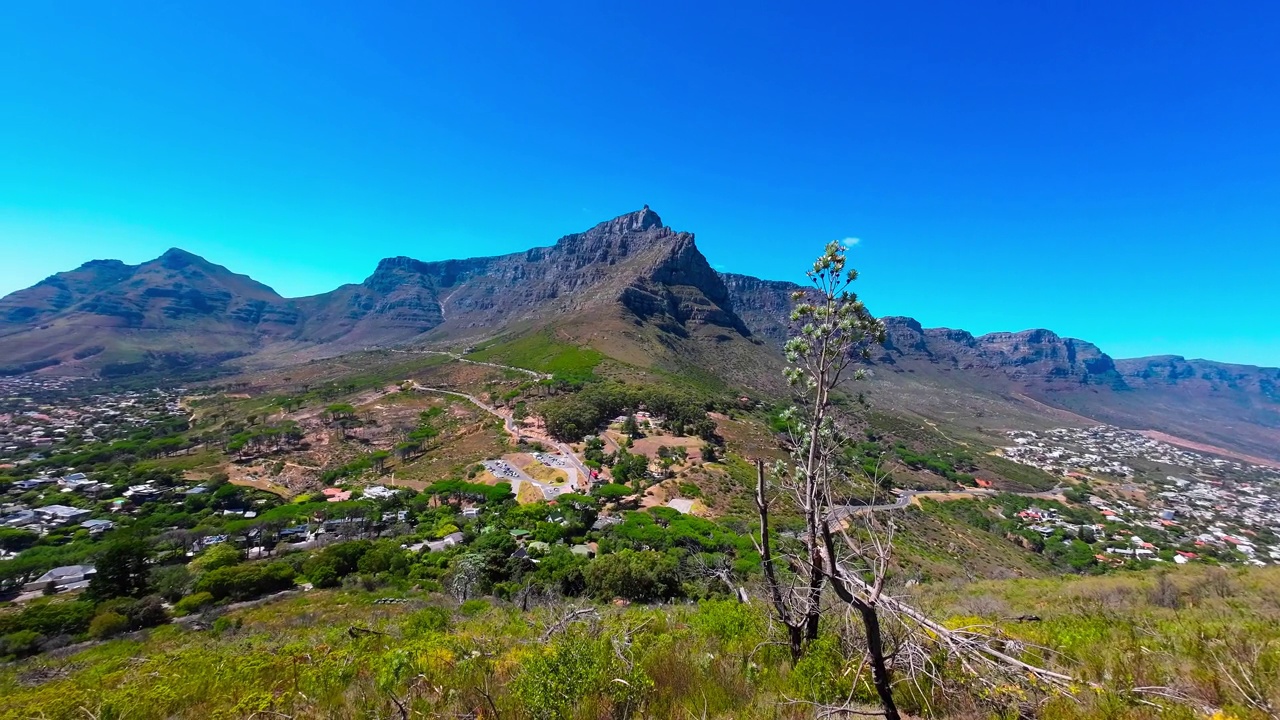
[[244, 582], [428, 620], [108, 624], [193, 603], [471, 608], [556, 683], [50, 618], [324, 575], [219, 556], [727, 620], [171, 582], [23, 643], [642, 576]]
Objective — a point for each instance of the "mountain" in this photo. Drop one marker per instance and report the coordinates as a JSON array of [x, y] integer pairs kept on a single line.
[[632, 261], [1037, 375], [630, 284], [176, 305], [637, 291]]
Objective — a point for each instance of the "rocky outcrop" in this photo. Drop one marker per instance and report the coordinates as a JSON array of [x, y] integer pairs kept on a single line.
[[1200, 376], [763, 305], [1034, 354]]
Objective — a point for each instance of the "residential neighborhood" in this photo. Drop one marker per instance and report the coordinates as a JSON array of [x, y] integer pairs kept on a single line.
[[1196, 503]]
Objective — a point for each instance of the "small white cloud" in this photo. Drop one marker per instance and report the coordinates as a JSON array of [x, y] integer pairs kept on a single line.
[[851, 241], [719, 268]]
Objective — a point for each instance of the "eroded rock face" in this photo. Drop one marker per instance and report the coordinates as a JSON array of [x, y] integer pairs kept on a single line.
[[1030, 353], [763, 305], [631, 264], [633, 260], [1200, 376]]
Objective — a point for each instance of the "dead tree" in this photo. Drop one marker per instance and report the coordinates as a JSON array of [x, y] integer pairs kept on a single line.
[[833, 325], [848, 548]]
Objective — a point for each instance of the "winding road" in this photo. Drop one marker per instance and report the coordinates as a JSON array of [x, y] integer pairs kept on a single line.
[[839, 512]]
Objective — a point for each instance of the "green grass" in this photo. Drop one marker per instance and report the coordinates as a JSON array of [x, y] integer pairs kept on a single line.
[[337, 654], [543, 353]]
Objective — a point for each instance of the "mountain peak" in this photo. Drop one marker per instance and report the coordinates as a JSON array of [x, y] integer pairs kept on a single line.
[[176, 258], [639, 221]]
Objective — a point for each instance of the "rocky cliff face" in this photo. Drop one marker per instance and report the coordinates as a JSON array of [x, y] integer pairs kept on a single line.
[[1032, 354], [632, 264], [1200, 376], [765, 307], [634, 261]]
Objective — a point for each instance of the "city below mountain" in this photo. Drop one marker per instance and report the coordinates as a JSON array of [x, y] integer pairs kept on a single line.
[[632, 289]]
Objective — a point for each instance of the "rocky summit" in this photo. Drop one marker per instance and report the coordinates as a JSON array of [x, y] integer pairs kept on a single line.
[[632, 288]]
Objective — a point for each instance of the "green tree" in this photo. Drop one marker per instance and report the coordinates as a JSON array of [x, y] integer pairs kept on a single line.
[[15, 540], [217, 556], [642, 576], [121, 570], [171, 582]]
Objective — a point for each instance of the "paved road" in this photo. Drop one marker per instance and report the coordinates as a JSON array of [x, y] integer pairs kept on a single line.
[[843, 511]]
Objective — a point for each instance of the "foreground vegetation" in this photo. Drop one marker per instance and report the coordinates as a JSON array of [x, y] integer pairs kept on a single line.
[[1210, 637]]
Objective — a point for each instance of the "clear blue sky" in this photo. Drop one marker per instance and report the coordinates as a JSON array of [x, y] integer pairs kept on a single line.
[[1107, 170]]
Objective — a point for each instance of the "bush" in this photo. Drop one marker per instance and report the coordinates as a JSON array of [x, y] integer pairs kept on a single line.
[[324, 575], [219, 556], [23, 643], [642, 576], [193, 603], [728, 620], [244, 582], [171, 582], [428, 620], [108, 624], [471, 608], [50, 618], [147, 612]]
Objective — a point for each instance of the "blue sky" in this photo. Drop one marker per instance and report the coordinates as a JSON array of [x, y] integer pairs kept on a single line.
[[1107, 170]]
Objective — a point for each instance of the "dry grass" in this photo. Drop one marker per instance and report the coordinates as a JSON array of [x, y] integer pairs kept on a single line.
[[546, 474]]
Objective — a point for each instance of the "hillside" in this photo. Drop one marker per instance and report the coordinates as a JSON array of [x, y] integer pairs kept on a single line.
[[1014, 379], [638, 292]]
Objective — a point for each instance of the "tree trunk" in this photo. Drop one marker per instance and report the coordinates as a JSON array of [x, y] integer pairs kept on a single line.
[[875, 648]]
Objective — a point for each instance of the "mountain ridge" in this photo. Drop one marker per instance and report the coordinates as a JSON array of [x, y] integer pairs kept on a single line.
[[631, 287]]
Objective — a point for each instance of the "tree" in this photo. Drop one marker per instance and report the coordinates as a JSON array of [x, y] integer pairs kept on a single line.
[[171, 582], [630, 427], [835, 328], [628, 467], [643, 576], [218, 556], [121, 570], [15, 540]]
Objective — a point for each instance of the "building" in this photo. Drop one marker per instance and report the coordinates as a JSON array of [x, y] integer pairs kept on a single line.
[[62, 579], [61, 514]]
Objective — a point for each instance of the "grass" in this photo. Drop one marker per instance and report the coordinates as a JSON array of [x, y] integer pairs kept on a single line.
[[300, 657], [544, 473], [543, 353]]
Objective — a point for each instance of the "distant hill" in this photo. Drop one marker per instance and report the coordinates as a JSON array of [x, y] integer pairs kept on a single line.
[[941, 372], [637, 291]]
